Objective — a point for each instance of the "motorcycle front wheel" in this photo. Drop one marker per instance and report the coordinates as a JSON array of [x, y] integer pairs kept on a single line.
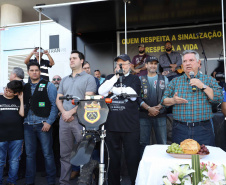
[[89, 173]]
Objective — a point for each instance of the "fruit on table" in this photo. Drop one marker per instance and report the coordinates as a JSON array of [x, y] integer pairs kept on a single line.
[[188, 146], [175, 148], [203, 150]]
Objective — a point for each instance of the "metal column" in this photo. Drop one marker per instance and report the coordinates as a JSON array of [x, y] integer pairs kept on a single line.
[[222, 6]]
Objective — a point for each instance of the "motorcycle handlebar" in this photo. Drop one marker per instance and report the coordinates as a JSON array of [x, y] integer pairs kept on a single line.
[[69, 97]]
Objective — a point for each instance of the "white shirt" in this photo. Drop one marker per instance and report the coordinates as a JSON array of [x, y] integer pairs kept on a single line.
[[108, 86]]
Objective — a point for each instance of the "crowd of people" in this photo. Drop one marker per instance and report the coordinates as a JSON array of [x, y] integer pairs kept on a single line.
[[33, 111]]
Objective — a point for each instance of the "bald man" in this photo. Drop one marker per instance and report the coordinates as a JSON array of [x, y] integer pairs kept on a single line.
[[56, 81]]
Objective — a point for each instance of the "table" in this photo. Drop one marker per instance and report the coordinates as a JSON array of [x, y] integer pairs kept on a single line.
[[156, 162]]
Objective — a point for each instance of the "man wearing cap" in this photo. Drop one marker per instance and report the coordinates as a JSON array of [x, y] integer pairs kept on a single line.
[[138, 62], [152, 113], [44, 64], [169, 62], [122, 125]]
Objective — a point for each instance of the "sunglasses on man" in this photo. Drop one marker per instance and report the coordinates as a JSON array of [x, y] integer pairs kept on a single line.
[[56, 79]]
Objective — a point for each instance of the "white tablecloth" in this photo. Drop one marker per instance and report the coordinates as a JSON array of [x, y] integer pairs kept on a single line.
[[156, 162]]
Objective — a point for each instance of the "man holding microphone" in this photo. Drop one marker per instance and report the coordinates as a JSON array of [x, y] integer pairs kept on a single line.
[[191, 99]]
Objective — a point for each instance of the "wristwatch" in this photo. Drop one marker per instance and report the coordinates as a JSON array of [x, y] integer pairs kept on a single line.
[[204, 87]]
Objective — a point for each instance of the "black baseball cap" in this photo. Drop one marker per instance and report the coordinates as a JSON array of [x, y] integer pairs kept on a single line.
[[124, 57], [151, 58]]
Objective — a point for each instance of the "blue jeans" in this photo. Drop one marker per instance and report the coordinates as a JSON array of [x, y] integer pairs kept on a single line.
[[203, 134], [31, 133], [14, 149], [146, 124]]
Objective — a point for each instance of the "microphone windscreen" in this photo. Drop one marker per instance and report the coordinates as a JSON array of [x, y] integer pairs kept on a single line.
[[191, 73]]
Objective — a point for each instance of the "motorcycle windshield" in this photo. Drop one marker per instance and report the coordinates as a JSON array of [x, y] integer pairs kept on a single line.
[[92, 113]]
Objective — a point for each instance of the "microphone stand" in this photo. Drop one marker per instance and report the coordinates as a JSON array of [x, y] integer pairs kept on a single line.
[[204, 54]]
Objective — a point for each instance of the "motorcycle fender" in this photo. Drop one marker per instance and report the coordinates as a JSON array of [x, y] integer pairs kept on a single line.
[[81, 153]]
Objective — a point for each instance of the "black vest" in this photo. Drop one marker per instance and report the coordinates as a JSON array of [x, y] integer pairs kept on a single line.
[[145, 91], [39, 103]]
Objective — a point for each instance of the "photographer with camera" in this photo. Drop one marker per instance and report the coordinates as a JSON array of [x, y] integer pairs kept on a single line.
[[44, 64], [122, 125]]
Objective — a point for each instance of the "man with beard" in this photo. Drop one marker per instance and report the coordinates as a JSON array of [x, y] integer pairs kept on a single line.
[[152, 113], [170, 62], [56, 81], [138, 62]]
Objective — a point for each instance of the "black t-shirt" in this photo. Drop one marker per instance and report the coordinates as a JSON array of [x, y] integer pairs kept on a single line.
[[44, 64], [11, 123], [124, 115]]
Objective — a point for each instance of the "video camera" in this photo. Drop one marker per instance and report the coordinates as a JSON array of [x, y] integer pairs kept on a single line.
[[120, 71]]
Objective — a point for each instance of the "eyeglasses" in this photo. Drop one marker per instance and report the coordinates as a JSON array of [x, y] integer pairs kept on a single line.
[[8, 90], [56, 79], [85, 68]]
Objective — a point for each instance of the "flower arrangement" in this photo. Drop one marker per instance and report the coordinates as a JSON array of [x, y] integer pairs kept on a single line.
[[180, 174], [211, 174]]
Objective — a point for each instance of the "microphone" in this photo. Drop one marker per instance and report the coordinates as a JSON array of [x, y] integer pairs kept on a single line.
[[121, 74], [220, 75], [191, 74]]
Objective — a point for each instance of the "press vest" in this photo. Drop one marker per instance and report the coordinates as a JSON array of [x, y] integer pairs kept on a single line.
[[38, 102]]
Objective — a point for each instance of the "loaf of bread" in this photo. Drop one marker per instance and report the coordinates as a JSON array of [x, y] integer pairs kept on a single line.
[[190, 146]]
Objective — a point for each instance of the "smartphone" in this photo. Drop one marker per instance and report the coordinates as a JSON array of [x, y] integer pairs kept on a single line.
[[41, 50]]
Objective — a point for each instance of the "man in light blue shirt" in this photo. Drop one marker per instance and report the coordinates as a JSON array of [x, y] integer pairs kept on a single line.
[[97, 74]]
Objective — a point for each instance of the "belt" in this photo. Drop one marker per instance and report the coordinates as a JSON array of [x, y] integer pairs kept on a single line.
[[32, 123], [193, 124]]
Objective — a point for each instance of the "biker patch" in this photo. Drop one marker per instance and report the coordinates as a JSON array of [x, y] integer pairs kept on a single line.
[[92, 112], [42, 85], [162, 84]]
